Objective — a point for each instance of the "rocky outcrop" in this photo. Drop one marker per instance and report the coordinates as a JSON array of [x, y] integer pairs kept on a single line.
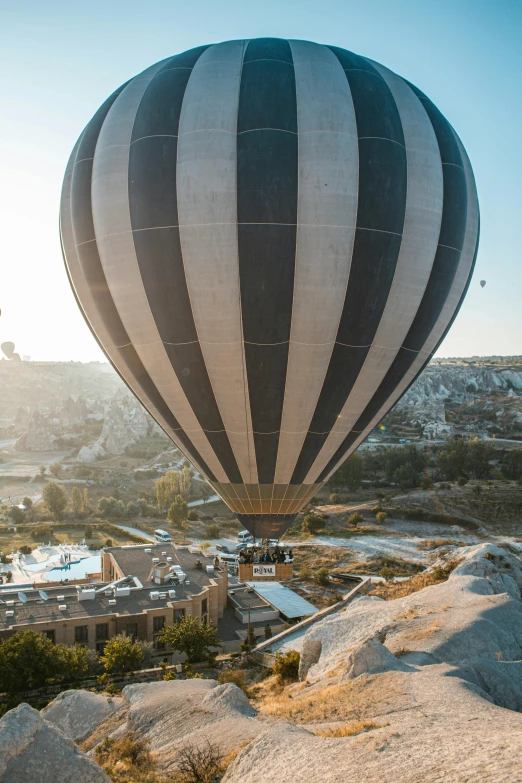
[[78, 713], [125, 423], [40, 434], [34, 751]]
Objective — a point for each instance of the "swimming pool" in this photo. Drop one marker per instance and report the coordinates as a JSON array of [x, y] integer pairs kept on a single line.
[[75, 570]]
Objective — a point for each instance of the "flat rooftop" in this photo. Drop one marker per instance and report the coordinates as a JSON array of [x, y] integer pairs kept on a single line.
[[35, 609], [138, 561], [283, 599]]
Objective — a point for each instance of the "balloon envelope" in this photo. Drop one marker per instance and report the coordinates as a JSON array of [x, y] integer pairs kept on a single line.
[[8, 349], [269, 239], [482, 283]]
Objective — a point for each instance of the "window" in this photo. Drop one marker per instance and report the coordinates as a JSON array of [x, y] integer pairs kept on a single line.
[[158, 623], [204, 606], [100, 647], [102, 631], [81, 634], [132, 631], [50, 635], [178, 614]]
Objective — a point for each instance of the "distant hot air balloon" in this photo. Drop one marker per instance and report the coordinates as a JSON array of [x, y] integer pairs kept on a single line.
[[8, 349], [269, 239], [482, 283], [15, 357]]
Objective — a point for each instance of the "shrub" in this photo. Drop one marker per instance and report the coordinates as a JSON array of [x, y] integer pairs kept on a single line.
[[236, 676], [212, 531], [355, 519], [321, 577], [386, 573], [381, 516], [313, 524], [191, 637], [193, 516], [25, 549], [286, 666], [462, 481], [335, 498], [121, 654], [268, 631], [200, 763]]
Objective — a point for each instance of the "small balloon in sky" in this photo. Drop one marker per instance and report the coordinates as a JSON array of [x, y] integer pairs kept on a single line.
[[8, 349], [482, 283]]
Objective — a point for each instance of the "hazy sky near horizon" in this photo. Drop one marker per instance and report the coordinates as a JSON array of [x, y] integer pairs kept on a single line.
[[60, 60]]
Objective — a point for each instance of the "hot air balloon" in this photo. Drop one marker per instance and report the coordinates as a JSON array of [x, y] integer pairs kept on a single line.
[[8, 349], [269, 239], [482, 283]]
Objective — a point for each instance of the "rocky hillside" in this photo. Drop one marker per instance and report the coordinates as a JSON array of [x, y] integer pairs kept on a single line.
[[423, 689], [474, 397]]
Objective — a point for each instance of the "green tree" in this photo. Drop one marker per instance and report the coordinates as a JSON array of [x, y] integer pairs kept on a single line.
[[268, 631], [28, 660], [355, 519], [350, 473], [42, 470], [206, 492], [321, 577], [212, 531], [55, 499], [55, 469], [512, 464], [77, 502], [16, 514], [177, 513], [381, 516], [466, 458], [335, 498], [191, 637], [286, 666], [186, 482], [25, 549], [313, 523], [122, 654], [27, 503], [167, 488], [250, 640]]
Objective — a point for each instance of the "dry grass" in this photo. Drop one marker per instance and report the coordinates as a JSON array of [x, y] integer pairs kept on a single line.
[[361, 699], [392, 590], [349, 729], [435, 543]]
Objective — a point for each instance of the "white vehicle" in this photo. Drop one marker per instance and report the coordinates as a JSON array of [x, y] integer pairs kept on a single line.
[[245, 537], [162, 535]]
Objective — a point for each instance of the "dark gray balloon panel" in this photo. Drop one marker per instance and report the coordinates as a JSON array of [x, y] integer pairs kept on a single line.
[[269, 239]]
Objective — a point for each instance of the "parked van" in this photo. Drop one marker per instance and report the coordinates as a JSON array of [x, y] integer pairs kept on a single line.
[[162, 535], [244, 537]]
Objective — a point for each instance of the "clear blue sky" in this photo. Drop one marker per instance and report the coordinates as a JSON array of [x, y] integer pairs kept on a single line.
[[60, 60]]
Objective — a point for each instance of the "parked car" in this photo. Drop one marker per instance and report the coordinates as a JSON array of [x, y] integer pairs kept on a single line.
[[223, 548]]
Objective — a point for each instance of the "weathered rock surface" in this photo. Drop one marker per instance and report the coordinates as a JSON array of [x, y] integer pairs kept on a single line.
[[34, 751], [435, 678], [167, 714], [125, 423], [78, 713]]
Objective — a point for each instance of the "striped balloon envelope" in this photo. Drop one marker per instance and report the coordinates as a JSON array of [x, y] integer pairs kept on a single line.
[[269, 239]]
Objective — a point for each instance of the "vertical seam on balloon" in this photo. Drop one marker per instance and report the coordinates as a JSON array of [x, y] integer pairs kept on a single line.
[[351, 255], [243, 363], [160, 394], [295, 264], [346, 434], [188, 291]]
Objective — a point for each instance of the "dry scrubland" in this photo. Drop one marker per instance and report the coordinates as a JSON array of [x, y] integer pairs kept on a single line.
[[422, 688]]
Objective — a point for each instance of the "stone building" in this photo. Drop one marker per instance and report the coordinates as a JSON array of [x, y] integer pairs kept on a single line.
[[143, 589]]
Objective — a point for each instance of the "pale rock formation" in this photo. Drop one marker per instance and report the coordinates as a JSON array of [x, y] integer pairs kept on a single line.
[[40, 434], [125, 423], [34, 751], [78, 713]]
